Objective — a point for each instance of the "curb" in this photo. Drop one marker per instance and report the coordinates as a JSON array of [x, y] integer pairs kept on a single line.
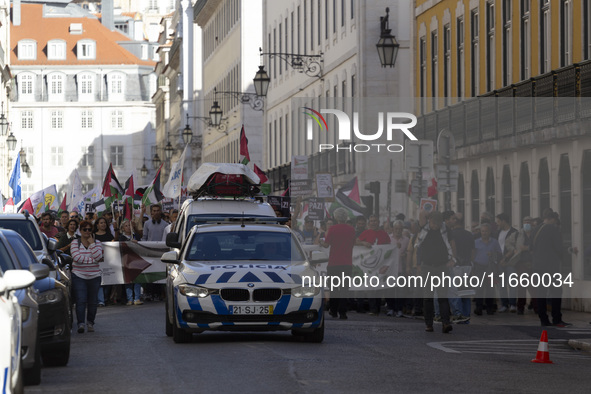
[[584, 345]]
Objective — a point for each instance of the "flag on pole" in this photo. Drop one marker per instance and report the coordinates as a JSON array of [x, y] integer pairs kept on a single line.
[[9, 206], [75, 191], [265, 184], [152, 195], [172, 188], [244, 155], [27, 206], [112, 189], [15, 180], [63, 206], [348, 198]]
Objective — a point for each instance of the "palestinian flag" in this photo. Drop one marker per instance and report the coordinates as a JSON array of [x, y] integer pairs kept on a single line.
[[348, 197], [265, 184], [127, 209], [244, 155], [112, 189], [27, 205], [130, 194], [100, 206], [153, 195], [63, 206]]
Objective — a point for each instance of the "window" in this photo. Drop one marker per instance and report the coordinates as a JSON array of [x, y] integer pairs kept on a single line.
[[86, 118], [507, 57], [545, 36], [490, 191], [85, 85], [507, 206], [280, 47], [117, 155], [565, 187], [423, 77], [57, 156], [474, 69], [30, 155], [566, 27], [27, 50], [460, 59], [524, 193], [434, 68], [342, 12], [116, 88], [490, 46], [26, 84], [56, 50], [475, 195], [86, 50], [525, 50], [305, 25], [544, 184], [26, 119], [461, 207], [56, 84], [298, 33], [117, 119], [334, 16], [312, 24], [586, 205], [325, 19], [447, 63], [57, 119], [587, 29], [87, 157]]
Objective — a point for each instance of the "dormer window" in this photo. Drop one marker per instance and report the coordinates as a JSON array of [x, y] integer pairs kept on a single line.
[[116, 86], [27, 50], [86, 50], [56, 50]]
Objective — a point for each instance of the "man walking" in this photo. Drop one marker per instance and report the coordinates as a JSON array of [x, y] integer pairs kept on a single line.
[[506, 242]]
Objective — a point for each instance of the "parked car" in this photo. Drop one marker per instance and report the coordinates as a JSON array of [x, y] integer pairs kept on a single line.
[[11, 327], [55, 314]]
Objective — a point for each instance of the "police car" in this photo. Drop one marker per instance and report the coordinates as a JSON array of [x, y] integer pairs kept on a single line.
[[241, 274]]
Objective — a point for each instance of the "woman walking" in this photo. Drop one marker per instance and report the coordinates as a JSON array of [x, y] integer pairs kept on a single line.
[[133, 291], [86, 276]]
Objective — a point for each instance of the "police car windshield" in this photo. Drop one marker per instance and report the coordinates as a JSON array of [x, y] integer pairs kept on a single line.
[[244, 245], [194, 220], [26, 229]]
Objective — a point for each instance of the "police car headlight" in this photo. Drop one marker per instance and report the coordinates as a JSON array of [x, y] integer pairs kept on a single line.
[[194, 291], [305, 291], [50, 296]]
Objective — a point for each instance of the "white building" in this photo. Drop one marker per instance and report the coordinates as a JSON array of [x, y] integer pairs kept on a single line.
[[345, 34], [81, 100], [5, 86]]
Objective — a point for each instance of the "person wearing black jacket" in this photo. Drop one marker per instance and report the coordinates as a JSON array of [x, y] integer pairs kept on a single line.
[[507, 244]]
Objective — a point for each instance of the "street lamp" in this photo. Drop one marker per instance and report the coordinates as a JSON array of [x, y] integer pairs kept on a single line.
[[144, 169], [261, 82], [187, 133], [168, 150], [308, 64], [156, 161], [3, 123], [387, 45], [11, 142], [215, 114]]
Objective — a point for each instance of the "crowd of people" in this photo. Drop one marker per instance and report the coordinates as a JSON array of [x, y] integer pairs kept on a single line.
[[439, 242]]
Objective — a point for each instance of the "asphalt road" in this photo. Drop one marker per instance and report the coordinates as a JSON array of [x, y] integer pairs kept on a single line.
[[129, 353]]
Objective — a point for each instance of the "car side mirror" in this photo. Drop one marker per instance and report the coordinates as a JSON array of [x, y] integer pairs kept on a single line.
[[171, 257], [39, 270], [51, 245], [172, 240], [48, 263], [65, 260]]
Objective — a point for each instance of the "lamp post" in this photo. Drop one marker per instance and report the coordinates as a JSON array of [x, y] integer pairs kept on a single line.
[[156, 161], [387, 45], [311, 65], [261, 82], [144, 169]]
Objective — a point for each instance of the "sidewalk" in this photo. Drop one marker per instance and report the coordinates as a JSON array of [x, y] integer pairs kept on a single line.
[[579, 320]]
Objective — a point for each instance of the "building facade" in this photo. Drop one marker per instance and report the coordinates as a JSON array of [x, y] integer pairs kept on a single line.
[[80, 99], [511, 81]]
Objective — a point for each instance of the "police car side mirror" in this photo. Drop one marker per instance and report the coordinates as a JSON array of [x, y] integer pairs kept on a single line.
[[39, 270], [51, 245], [318, 257], [171, 257], [172, 240]]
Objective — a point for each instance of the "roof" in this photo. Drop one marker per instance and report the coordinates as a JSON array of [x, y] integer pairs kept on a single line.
[[35, 27]]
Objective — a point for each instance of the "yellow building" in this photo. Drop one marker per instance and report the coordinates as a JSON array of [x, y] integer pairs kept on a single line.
[[525, 143]]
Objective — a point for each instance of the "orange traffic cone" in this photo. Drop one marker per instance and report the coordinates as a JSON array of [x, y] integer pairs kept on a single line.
[[543, 355]]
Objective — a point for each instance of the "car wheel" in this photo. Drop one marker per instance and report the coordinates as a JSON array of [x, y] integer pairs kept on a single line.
[[32, 376], [168, 323], [58, 358], [316, 336]]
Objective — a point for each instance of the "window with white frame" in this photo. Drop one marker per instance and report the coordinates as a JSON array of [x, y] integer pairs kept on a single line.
[[57, 119], [434, 68], [27, 50], [86, 117], [27, 190], [117, 155], [447, 63], [26, 84], [423, 76], [56, 50], [56, 85], [30, 155], [86, 85], [474, 55], [545, 36], [525, 50], [87, 156], [117, 119], [490, 46], [566, 27], [86, 49], [115, 82], [57, 156], [507, 47], [587, 29], [460, 55], [26, 119]]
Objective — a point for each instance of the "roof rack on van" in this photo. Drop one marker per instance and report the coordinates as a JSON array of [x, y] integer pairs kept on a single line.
[[241, 219], [224, 180]]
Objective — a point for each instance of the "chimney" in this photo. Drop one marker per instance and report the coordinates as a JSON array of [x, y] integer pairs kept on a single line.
[[107, 17], [16, 12]]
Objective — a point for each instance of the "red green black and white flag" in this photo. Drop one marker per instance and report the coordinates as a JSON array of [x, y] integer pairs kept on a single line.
[[244, 155]]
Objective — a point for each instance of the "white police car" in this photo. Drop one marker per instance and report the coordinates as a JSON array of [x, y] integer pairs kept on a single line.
[[241, 274]]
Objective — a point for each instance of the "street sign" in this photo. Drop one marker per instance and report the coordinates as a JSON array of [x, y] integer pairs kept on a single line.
[[444, 173], [450, 185], [400, 186], [301, 187], [418, 190], [418, 155], [446, 145]]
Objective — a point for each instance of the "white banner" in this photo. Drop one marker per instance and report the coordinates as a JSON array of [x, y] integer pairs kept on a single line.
[[133, 262]]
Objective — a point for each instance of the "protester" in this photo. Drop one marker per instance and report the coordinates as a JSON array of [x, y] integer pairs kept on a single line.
[[86, 276], [47, 227], [487, 255], [154, 231], [464, 243], [340, 238], [68, 237], [102, 233], [522, 259], [133, 291], [507, 244], [397, 305], [309, 232]]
